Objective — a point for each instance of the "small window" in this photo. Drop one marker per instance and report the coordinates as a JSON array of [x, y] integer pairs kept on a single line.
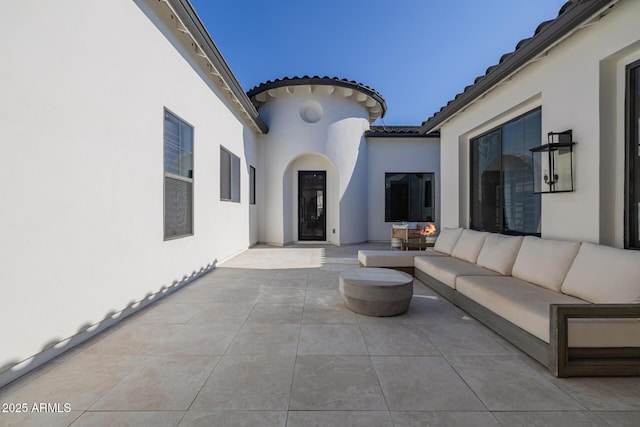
[[229, 176], [252, 185], [178, 177], [409, 196]]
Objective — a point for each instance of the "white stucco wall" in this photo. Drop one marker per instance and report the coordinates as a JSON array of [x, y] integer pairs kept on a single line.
[[336, 138], [580, 86], [83, 89], [398, 155]]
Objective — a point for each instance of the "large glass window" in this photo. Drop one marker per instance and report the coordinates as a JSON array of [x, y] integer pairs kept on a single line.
[[229, 176], [632, 209], [502, 198], [178, 177], [409, 197]]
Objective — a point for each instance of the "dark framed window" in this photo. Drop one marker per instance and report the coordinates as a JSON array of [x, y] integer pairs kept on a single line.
[[229, 176], [178, 177], [409, 196], [632, 199], [501, 172], [252, 185]]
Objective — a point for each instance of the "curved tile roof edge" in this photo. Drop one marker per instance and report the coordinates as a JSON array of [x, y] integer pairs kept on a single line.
[[571, 14], [320, 81], [399, 131]]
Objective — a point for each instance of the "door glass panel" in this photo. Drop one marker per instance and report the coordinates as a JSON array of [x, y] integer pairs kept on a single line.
[[311, 205], [486, 163], [633, 205]]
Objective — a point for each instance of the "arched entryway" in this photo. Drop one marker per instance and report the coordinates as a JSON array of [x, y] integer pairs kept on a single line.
[[310, 199]]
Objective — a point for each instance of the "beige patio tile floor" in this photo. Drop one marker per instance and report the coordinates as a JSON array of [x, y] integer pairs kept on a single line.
[[264, 340]]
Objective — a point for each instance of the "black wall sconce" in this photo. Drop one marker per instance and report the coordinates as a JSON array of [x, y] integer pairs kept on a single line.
[[553, 164]]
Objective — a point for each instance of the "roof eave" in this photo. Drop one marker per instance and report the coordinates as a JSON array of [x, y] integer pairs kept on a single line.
[[189, 17], [558, 29]]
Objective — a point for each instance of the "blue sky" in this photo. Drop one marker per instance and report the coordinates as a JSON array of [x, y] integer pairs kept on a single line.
[[417, 53]]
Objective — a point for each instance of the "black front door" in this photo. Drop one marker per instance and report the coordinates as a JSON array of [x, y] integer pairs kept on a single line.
[[312, 220]]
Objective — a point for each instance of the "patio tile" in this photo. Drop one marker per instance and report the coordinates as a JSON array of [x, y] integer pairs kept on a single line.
[[620, 419], [327, 313], [328, 383], [331, 339], [276, 313], [80, 382], [266, 338], [290, 283], [423, 384], [466, 340], [173, 312], [603, 394], [508, 383], [283, 296], [543, 419], [261, 276], [339, 418], [324, 297], [199, 339], [394, 339], [129, 419], [234, 419], [427, 310], [292, 273], [162, 383], [402, 319], [237, 295], [223, 313], [443, 419], [248, 383], [195, 293], [38, 419], [133, 338], [246, 283]]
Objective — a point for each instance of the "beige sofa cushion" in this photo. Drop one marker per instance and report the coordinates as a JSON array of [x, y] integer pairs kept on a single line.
[[521, 303], [469, 245], [544, 262], [602, 274], [446, 269], [392, 258], [447, 239], [499, 252]]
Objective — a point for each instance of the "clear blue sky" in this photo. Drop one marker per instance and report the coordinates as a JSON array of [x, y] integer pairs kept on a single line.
[[418, 54]]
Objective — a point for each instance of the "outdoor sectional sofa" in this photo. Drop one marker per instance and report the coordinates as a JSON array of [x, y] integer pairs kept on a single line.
[[574, 307]]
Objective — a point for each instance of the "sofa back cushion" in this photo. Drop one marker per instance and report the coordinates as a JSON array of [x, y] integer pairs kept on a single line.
[[447, 239], [499, 252], [544, 262], [602, 274], [469, 245]]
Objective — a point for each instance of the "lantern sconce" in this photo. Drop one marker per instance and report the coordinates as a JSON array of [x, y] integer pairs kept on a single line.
[[553, 164]]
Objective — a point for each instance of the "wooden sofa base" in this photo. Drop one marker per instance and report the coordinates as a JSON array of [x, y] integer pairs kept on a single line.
[[446, 291], [575, 362], [561, 360]]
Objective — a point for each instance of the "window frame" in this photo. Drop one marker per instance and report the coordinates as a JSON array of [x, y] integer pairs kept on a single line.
[[169, 175], [631, 228], [433, 198], [500, 128], [235, 187]]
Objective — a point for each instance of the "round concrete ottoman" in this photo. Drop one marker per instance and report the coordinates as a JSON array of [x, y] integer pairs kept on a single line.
[[376, 291]]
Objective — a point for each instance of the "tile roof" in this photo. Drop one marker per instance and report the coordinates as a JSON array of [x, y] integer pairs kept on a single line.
[[399, 131], [317, 80], [571, 15]]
